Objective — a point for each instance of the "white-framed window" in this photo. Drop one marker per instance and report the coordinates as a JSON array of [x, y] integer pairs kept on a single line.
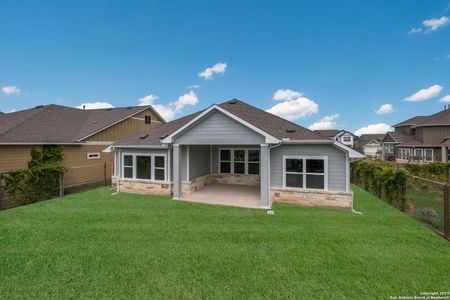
[[239, 161], [428, 154], [93, 155], [305, 172], [418, 152], [347, 139], [144, 166], [404, 153]]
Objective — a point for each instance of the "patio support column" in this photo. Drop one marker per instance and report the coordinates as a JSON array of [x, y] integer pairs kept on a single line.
[[444, 154], [176, 171], [264, 173]]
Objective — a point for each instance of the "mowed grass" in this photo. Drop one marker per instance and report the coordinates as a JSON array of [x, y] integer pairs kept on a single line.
[[95, 245]]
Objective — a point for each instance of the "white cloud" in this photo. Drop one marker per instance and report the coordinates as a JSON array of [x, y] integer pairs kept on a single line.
[[147, 100], [292, 110], [216, 69], [286, 95], [165, 111], [435, 24], [194, 86], [415, 30], [95, 105], [385, 109], [171, 110], [445, 99], [186, 99], [11, 89], [327, 122], [373, 128], [425, 94]]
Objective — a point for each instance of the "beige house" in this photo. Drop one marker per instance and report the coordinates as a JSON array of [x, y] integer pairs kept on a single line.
[[83, 134]]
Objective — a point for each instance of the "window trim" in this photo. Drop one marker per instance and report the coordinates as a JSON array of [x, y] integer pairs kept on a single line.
[[415, 152], [97, 155], [349, 139], [425, 155], [152, 171], [304, 173], [231, 161]]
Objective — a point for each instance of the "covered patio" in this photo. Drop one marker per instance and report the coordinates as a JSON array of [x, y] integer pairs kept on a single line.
[[226, 194]]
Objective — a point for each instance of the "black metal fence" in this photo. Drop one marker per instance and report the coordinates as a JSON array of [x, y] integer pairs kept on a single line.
[[421, 198]]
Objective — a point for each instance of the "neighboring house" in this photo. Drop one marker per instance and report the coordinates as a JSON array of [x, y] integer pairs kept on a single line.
[[345, 137], [420, 139], [370, 145], [265, 158], [83, 134]]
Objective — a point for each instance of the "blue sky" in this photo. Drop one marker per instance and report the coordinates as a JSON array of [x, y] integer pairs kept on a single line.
[[333, 63]]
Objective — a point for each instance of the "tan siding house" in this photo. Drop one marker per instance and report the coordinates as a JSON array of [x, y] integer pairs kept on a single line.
[[83, 134]]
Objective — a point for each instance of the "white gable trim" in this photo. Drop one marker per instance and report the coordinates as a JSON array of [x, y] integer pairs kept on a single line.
[[269, 138], [351, 153]]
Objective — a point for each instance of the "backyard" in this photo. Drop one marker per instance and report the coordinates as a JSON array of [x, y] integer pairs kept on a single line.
[[95, 245]]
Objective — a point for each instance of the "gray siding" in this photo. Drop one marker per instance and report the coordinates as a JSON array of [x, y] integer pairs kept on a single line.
[[336, 163], [199, 161], [217, 128], [435, 134]]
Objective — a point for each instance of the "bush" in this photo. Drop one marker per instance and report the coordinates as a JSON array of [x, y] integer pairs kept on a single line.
[[380, 178], [435, 171], [41, 179], [429, 215]]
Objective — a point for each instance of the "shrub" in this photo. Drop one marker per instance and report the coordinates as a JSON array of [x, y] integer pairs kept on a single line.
[[41, 179], [429, 215]]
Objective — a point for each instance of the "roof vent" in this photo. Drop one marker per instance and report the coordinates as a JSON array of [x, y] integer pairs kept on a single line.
[[143, 137], [39, 106], [290, 130], [232, 102]]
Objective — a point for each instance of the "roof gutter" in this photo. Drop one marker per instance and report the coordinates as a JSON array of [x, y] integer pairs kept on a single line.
[[140, 146]]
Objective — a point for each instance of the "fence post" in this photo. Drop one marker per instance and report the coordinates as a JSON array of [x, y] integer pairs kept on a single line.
[[446, 212], [61, 185], [404, 198], [104, 173], [1, 191]]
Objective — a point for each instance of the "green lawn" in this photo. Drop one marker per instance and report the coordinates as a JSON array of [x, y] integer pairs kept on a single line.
[[94, 245]]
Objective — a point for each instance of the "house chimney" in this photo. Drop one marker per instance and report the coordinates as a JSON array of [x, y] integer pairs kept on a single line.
[[84, 107]]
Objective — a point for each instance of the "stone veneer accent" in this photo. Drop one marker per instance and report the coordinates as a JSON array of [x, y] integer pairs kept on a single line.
[[242, 179], [316, 198], [145, 187], [188, 187]]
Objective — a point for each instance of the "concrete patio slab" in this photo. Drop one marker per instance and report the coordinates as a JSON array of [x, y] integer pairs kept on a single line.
[[227, 194]]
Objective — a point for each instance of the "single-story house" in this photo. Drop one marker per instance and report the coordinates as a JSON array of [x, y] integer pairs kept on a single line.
[[83, 135], [343, 136], [234, 153]]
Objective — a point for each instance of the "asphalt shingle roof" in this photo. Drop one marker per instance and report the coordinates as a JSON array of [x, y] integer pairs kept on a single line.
[[59, 124], [329, 133], [269, 123]]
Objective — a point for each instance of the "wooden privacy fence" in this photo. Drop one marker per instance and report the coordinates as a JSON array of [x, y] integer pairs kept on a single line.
[[76, 178]]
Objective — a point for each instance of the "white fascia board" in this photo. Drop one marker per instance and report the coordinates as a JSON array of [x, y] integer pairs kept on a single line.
[[269, 139], [140, 146], [321, 142], [351, 153]]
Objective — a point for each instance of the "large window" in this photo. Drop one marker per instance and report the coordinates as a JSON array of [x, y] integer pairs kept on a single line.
[[305, 172], [144, 166], [404, 153], [239, 161], [428, 155]]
